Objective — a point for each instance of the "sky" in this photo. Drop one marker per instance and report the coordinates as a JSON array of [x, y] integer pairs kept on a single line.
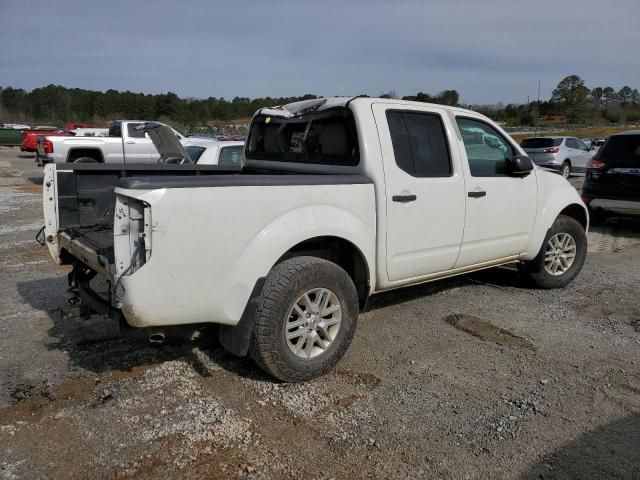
[[489, 51]]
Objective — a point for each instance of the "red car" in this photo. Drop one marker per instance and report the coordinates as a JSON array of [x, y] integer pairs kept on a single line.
[[30, 137]]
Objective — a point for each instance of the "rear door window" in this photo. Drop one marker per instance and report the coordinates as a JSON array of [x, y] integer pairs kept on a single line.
[[571, 143], [419, 143]]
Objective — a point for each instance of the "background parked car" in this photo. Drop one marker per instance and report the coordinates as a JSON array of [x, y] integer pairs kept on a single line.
[[205, 151], [566, 154], [612, 183], [30, 137]]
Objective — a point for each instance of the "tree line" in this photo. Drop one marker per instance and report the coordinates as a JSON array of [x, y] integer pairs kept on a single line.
[[55, 104], [574, 103]]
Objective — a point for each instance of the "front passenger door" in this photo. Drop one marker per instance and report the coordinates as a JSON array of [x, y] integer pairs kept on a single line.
[[583, 157], [138, 147], [501, 209]]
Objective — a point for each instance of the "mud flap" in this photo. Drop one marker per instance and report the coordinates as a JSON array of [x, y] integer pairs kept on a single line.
[[236, 339]]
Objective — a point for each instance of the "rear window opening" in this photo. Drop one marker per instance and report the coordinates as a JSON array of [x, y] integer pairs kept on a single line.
[[541, 142], [327, 138], [621, 148]]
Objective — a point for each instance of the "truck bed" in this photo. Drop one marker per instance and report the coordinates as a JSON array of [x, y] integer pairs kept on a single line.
[[84, 203], [85, 197]]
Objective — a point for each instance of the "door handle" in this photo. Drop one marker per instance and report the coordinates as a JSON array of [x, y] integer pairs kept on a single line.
[[131, 142], [477, 194], [404, 198]]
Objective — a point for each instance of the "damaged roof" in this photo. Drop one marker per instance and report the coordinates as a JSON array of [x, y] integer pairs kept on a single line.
[[303, 107]]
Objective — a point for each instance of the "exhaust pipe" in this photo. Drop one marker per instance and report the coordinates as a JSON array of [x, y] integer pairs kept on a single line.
[[157, 337]]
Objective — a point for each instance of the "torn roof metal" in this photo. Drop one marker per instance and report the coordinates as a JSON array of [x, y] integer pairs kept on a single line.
[[304, 107]]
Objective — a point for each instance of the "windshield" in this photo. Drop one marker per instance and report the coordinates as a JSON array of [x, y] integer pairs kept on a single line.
[[194, 152], [621, 148], [328, 137], [541, 142]]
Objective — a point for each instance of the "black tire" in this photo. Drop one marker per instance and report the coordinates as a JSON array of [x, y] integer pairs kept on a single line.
[[284, 285], [565, 169], [84, 160], [535, 272]]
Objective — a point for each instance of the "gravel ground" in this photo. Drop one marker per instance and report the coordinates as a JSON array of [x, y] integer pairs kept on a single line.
[[475, 377]]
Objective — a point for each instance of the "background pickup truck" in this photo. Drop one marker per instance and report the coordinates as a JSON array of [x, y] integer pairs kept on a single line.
[[338, 199], [125, 144]]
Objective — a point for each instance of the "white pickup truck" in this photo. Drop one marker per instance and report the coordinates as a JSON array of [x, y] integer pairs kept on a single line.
[[125, 143], [338, 199]]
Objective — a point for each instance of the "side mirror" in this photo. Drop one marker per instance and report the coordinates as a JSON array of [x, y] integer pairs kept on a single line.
[[519, 166]]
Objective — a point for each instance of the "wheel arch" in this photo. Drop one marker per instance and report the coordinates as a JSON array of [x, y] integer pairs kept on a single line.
[[564, 201], [75, 153], [343, 253], [577, 212]]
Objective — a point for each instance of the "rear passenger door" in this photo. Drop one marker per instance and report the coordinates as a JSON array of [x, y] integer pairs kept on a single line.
[[424, 191], [500, 209]]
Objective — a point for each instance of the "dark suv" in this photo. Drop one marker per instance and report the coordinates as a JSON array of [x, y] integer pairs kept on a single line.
[[612, 183]]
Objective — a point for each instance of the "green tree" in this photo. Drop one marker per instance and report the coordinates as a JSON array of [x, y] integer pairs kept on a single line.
[[609, 95], [572, 95], [597, 94], [625, 95]]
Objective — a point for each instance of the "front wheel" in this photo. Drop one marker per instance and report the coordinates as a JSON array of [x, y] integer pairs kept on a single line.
[[306, 318], [561, 256]]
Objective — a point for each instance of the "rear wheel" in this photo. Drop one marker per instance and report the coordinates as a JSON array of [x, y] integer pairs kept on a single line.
[[561, 256], [306, 318], [565, 170]]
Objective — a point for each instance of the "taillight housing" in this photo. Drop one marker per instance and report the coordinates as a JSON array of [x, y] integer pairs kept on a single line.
[[595, 164], [48, 146], [551, 150]]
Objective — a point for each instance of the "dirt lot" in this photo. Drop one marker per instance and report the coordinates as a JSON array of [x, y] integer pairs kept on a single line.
[[476, 377]]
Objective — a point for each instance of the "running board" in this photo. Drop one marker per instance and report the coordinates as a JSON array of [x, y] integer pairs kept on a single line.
[[451, 273]]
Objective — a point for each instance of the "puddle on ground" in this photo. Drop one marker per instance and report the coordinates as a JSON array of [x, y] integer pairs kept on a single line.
[[487, 332]]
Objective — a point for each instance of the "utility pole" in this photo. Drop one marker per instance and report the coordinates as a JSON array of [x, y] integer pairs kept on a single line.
[[538, 110]]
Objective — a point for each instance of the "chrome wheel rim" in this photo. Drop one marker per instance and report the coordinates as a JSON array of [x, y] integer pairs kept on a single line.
[[560, 254], [313, 322], [565, 170]]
